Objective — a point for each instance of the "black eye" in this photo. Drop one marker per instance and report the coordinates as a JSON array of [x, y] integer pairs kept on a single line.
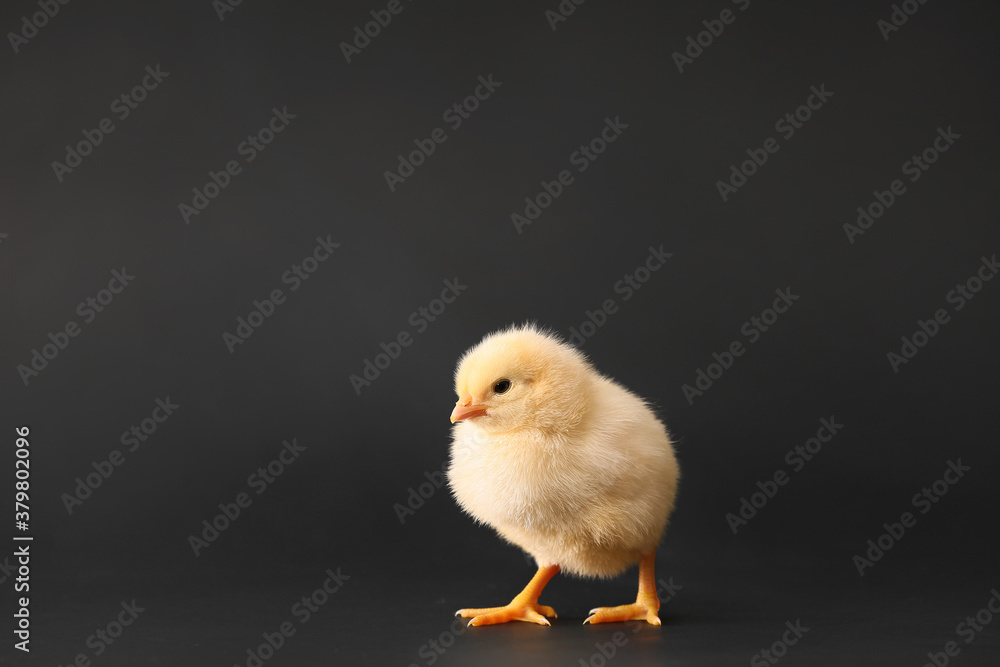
[[501, 386]]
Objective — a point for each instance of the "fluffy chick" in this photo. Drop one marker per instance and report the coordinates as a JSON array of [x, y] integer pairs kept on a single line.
[[563, 462]]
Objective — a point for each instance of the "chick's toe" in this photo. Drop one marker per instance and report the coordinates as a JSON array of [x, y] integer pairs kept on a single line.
[[637, 611], [517, 610]]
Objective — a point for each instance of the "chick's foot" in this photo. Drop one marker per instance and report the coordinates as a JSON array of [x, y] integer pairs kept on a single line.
[[524, 606], [646, 604], [517, 610], [637, 611]]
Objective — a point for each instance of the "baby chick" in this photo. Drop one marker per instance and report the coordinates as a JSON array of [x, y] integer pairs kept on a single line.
[[563, 462]]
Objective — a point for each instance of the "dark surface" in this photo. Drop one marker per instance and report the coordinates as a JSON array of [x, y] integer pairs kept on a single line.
[[367, 454], [717, 616]]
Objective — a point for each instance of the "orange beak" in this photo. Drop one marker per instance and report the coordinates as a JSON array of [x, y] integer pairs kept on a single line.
[[465, 409]]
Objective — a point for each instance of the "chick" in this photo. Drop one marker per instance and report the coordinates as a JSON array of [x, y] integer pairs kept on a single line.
[[563, 462]]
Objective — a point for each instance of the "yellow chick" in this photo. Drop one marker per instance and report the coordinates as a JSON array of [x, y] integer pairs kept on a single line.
[[563, 462]]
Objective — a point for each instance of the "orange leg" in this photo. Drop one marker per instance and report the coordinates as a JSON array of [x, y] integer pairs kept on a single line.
[[646, 602], [524, 606]]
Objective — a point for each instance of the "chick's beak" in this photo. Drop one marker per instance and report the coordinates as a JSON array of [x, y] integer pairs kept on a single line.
[[465, 409]]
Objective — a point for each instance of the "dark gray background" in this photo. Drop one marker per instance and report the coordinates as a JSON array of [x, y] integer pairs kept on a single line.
[[334, 507]]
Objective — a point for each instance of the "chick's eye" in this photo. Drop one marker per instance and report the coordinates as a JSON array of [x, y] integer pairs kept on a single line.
[[501, 386]]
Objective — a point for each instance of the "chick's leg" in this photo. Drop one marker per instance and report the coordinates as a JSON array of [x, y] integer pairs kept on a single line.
[[646, 602], [524, 606]]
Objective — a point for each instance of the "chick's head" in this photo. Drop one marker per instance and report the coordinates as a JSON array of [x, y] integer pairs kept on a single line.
[[520, 378]]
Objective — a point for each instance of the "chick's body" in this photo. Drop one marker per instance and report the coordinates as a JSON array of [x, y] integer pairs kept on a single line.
[[564, 462], [590, 499]]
